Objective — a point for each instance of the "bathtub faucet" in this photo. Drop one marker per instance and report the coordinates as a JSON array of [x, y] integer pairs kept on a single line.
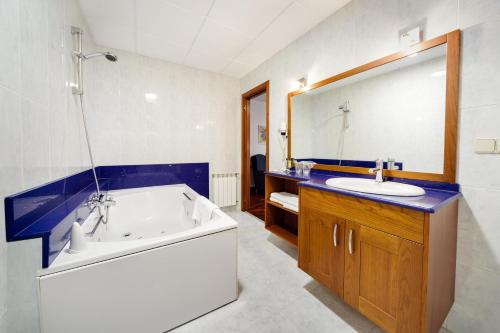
[[102, 202]]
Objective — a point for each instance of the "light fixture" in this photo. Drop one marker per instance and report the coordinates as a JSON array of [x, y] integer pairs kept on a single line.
[[438, 73], [409, 38], [150, 97], [299, 84]]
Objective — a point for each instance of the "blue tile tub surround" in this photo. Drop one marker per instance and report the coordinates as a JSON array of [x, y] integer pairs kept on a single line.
[[195, 175], [48, 211], [352, 163], [436, 195]]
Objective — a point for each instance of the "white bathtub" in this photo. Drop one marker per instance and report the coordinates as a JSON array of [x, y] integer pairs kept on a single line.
[[149, 269]]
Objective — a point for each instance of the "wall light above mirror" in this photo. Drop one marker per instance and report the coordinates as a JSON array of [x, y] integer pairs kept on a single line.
[[402, 108]]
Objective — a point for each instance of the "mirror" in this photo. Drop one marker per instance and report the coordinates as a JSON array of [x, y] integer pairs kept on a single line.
[[394, 108]]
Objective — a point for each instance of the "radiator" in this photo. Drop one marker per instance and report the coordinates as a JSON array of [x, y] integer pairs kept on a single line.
[[225, 187]]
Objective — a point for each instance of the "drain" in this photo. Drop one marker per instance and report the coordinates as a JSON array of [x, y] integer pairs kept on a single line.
[[127, 234]]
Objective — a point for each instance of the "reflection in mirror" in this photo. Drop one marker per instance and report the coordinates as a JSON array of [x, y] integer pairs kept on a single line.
[[395, 112]]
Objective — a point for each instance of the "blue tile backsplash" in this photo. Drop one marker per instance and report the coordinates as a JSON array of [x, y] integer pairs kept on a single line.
[[48, 211]]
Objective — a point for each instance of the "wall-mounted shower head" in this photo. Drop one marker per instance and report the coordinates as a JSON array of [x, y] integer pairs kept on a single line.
[[108, 55]]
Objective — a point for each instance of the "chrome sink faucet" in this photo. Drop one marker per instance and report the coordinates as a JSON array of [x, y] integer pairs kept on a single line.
[[378, 170]]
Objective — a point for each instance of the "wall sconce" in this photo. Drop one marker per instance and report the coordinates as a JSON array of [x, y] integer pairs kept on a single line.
[[409, 38], [299, 84]]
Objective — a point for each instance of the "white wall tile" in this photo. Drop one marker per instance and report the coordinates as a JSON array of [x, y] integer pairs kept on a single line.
[[338, 44], [194, 109], [477, 299], [478, 11], [33, 50], [41, 136], [478, 122], [479, 81], [36, 144], [478, 232], [10, 62]]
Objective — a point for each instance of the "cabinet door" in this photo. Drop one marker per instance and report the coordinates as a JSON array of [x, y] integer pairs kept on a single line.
[[384, 278], [321, 248]]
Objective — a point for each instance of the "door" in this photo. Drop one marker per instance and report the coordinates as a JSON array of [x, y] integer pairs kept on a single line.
[[247, 133], [321, 248], [383, 277]]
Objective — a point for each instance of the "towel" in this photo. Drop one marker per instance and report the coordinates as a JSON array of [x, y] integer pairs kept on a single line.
[[285, 197], [203, 210], [291, 207], [278, 199]]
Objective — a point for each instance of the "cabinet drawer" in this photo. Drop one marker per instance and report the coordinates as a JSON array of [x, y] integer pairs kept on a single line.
[[402, 222]]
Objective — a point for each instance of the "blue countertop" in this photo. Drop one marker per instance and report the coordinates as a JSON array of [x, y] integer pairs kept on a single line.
[[436, 195]]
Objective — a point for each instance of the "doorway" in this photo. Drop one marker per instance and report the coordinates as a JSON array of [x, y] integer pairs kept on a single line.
[[255, 148]]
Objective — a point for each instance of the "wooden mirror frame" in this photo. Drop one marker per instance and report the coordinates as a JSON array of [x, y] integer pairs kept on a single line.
[[452, 39]]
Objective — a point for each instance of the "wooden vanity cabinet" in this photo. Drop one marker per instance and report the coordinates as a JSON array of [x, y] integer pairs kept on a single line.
[[384, 278], [394, 265], [321, 252]]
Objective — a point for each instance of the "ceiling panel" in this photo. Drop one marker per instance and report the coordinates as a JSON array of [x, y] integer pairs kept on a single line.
[[119, 12], [294, 22], [225, 36], [171, 23], [321, 9], [156, 47], [197, 7], [237, 69], [107, 34], [252, 56], [218, 40], [247, 16], [206, 61]]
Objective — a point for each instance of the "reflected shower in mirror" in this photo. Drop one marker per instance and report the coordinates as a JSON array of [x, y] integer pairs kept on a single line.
[[395, 111]]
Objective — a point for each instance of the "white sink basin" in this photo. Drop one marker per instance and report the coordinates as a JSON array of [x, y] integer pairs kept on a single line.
[[371, 186]]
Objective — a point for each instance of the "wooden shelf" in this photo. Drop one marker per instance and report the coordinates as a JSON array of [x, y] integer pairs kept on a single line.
[[281, 221], [281, 206], [283, 233]]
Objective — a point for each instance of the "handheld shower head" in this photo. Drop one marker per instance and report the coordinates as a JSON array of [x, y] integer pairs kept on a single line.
[[108, 55]]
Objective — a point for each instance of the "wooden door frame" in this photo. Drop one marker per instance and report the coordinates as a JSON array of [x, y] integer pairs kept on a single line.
[[245, 140]]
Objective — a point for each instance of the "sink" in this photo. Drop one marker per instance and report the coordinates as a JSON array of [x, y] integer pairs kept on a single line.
[[373, 187]]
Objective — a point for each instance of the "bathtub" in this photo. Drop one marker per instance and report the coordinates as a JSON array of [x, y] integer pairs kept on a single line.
[[149, 269]]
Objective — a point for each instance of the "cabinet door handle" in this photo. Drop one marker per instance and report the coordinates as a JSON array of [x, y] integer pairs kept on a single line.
[[350, 242], [335, 234]]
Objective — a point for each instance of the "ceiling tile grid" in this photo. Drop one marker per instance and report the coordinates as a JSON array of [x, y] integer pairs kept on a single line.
[[231, 37]]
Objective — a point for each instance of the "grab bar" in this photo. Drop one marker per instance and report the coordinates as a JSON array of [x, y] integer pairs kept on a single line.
[[187, 196]]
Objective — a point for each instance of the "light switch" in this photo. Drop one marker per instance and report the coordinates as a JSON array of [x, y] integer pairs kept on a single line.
[[485, 146]]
